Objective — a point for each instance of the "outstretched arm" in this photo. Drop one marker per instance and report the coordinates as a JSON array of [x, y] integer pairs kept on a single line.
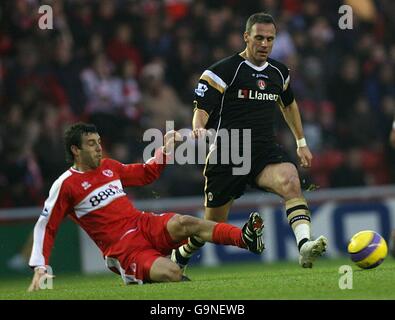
[[292, 117], [140, 174], [55, 209]]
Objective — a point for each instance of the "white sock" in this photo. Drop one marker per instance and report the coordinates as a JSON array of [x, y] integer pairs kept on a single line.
[[302, 231]]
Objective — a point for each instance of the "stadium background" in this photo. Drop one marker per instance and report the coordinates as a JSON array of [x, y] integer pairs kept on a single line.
[[130, 65]]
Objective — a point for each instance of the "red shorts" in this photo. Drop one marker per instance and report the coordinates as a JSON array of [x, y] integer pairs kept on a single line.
[[133, 256]]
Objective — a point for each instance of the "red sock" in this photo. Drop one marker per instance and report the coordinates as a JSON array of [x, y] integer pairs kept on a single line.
[[227, 234]]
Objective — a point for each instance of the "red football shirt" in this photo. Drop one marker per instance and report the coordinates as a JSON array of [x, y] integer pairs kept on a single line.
[[96, 201]]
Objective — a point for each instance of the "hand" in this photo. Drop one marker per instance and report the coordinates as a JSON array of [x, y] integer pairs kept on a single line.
[[200, 133], [305, 156], [392, 138], [40, 274], [169, 140]]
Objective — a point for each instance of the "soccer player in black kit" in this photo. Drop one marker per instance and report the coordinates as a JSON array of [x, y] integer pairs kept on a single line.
[[242, 92]]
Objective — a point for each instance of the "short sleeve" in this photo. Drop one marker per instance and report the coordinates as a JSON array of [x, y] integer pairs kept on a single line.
[[209, 91]]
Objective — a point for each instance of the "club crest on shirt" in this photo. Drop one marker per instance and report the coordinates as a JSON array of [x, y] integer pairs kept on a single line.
[[108, 173], [261, 84], [86, 185]]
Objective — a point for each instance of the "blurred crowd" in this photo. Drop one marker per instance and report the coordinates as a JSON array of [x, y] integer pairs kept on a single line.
[[131, 65]]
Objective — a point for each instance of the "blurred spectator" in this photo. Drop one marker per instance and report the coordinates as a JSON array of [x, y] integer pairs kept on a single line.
[[183, 62], [109, 98], [81, 23], [312, 128], [157, 38], [106, 19], [350, 173], [327, 120], [160, 101], [20, 175], [388, 132], [103, 90], [49, 152], [362, 130], [131, 93], [120, 48], [284, 45], [66, 71], [345, 88]]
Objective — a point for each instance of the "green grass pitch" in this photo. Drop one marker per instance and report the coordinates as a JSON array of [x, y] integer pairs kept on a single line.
[[257, 281]]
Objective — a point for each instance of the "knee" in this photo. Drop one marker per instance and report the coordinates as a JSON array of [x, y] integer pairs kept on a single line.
[[186, 223], [186, 220], [289, 184], [181, 227]]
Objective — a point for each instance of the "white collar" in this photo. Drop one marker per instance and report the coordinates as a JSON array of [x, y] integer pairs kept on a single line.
[[261, 68]]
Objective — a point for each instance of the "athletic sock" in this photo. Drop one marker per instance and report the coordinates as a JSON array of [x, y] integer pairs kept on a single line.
[[301, 243], [298, 215], [227, 234], [185, 252]]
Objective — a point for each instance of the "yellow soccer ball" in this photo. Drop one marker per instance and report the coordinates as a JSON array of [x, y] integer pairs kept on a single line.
[[367, 249]]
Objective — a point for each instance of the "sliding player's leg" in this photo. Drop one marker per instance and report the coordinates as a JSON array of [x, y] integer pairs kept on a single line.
[[167, 231], [184, 253], [221, 188], [181, 227]]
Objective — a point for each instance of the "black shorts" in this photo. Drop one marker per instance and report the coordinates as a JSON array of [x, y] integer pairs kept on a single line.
[[222, 185]]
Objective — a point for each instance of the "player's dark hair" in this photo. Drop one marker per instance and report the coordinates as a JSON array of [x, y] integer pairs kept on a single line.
[[259, 17], [73, 137]]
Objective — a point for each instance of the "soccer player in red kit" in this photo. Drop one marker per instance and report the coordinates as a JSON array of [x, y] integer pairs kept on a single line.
[[135, 244]]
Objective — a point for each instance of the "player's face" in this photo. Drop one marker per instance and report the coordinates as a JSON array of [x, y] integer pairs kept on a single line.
[[90, 154], [260, 42]]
